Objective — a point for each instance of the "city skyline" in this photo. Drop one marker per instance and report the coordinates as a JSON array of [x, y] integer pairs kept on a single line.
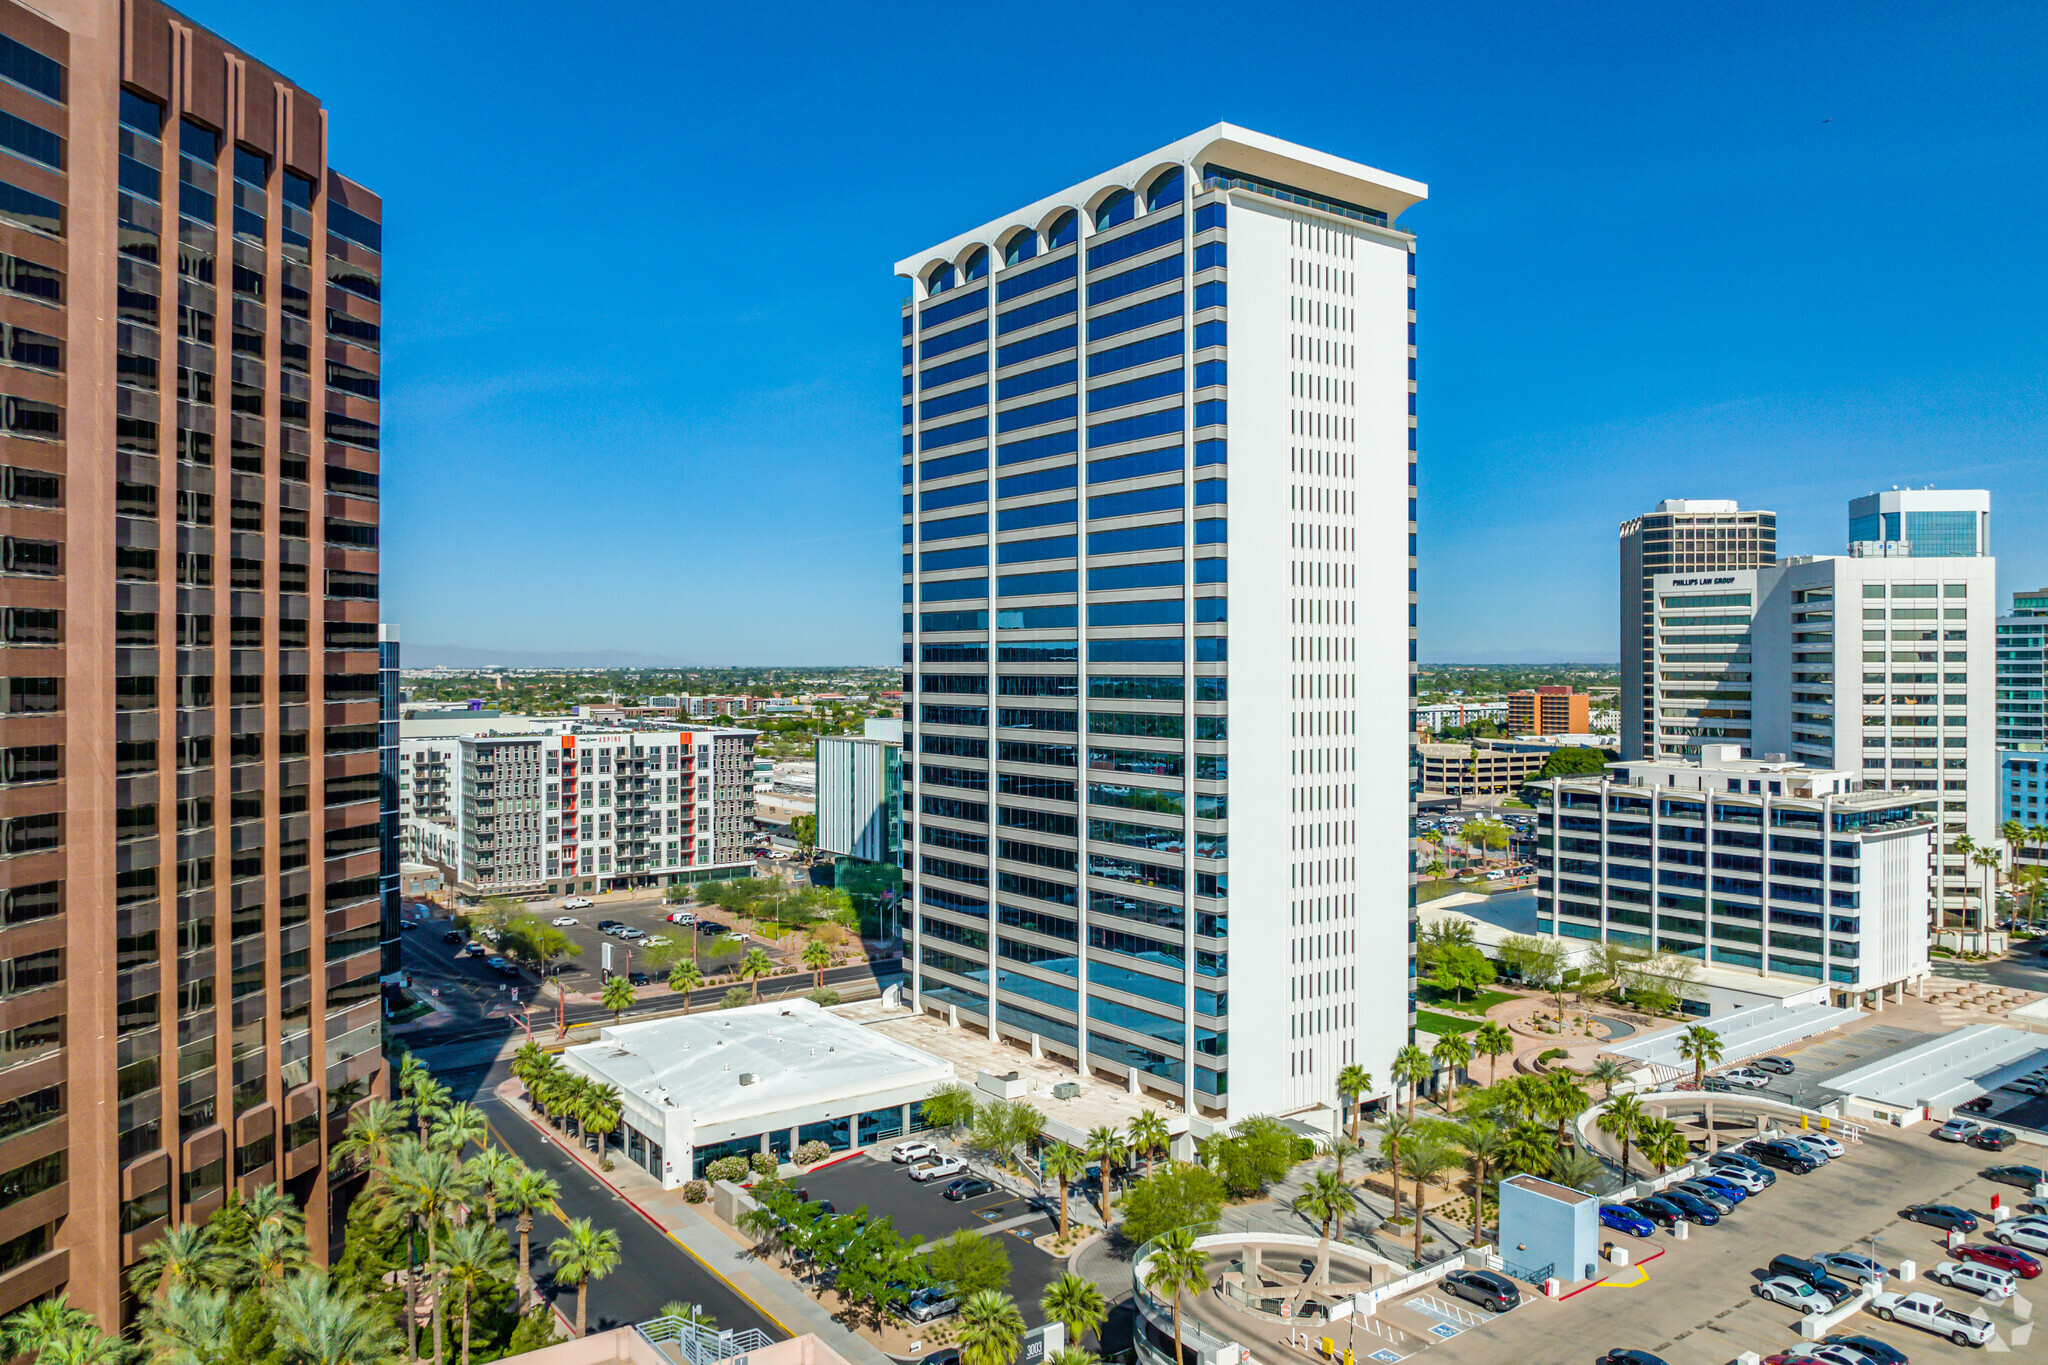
[[1795, 367]]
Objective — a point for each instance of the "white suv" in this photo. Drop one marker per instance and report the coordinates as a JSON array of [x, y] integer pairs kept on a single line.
[[1978, 1279]]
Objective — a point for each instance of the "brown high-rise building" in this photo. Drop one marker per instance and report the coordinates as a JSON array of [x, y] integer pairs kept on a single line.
[[1549, 711], [189, 911]]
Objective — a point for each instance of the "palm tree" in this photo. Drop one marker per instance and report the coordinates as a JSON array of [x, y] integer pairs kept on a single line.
[[755, 965], [583, 1254], [1664, 1145], [817, 957], [372, 1131], [459, 1126], [1609, 1071], [1493, 1042], [1354, 1082], [1343, 1149], [269, 1206], [683, 978], [274, 1253], [1076, 1303], [1105, 1146], [429, 1097], [1395, 1132], [1412, 1067], [526, 1193], [1701, 1046], [530, 1058], [601, 1115], [1623, 1118], [991, 1328], [322, 1325], [1325, 1201], [1427, 1159], [84, 1346], [473, 1257], [1452, 1051], [1075, 1355], [1175, 1267], [184, 1255], [1577, 1170], [31, 1329], [1991, 863], [423, 1187], [491, 1170], [189, 1327], [617, 996], [1064, 1164], [1148, 1136], [1528, 1147], [1485, 1145], [1562, 1099]]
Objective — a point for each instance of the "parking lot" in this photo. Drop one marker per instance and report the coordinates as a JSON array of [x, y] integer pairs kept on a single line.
[[716, 952], [921, 1210], [1693, 1304]]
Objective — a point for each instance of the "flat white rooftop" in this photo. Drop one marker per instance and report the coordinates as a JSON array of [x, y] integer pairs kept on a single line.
[[757, 1059], [1745, 1033], [1947, 1071]]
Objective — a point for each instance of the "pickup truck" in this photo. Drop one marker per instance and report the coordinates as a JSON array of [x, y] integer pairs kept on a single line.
[[1929, 1314], [937, 1168]]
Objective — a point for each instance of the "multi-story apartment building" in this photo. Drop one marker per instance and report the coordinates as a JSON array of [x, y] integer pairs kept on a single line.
[[1924, 523], [1548, 711], [1683, 537], [189, 893], [1109, 637], [1741, 863], [2022, 708], [389, 819], [572, 808]]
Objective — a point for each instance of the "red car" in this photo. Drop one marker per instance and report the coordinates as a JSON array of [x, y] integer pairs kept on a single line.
[[1795, 1356], [2003, 1258]]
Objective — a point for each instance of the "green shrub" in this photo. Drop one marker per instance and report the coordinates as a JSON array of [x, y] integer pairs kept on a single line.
[[727, 1168], [811, 1153], [696, 1191], [764, 1163], [824, 995]]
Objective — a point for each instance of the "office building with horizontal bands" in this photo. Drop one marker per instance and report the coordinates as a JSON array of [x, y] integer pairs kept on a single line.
[[1158, 573], [1548, 711], [1765, 864], [191, 926], [1683, 536], [2022, 709], [1926, 523]]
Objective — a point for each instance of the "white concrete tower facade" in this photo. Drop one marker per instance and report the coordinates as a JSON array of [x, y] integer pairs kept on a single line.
[[1133, 665]]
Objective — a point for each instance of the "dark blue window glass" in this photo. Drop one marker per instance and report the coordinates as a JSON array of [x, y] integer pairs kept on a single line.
[[954, 402], [1212, 571], [343, 221], [1034, 584], [1168, 188], [977, 264], [976, 525], [908, 354], [1210, 452], [906, 332], [954, 589], [195, 203], [1210, 295], [909, 383], [954, 620], [973, 301], [1031, 381], [906, 504], [1026, 551], [1211, 608], [1135, 428], [957, 496], [906, 443], [1209, 255], [1211, 649], [940, 280], [141, 113], [941, 437], [1165, 574], [1037, 481], [1031, 314], [1037, 618], [1208, 216], [909, 560], [1022, 246], [1120, 207], [966, 557], [948, 465], [25, 66], [1209, 372], [139, 179], [1209, 492], [1211, 334], [1038, 447], [1165, 535], [1214, 413], [952, 341], [27, 139], [953, 372], [906, 623], [1136, 391], [1044, 514], [1017, 286], [1211, 531], [1166, 651], [1065, 229], [1135, 502], [1136, 466], [1164, 271], [1137, 353], [1036, 414], [1136, 243], [1030, 348], [1136, 316], [1165, 611]]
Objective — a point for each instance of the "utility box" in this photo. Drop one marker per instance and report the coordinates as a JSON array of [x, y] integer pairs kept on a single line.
[[1007, 1085], [1066, 1090]]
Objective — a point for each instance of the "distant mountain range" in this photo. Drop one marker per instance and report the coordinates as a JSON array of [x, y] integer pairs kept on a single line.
[[462, 656], [1521, 656]]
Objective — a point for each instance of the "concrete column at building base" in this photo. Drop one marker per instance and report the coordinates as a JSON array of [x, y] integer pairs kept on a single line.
[[1131, 1081], [953, 1016], [1037, 1051]]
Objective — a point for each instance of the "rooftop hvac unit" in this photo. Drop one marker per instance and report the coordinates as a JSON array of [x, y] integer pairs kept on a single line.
[[746, 1078], [1066, 1090]]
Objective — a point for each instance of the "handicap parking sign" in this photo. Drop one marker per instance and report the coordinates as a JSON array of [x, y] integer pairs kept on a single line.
[[1444, 1330], [1387, 1356]]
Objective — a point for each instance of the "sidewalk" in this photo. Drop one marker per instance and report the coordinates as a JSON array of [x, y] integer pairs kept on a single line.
[[718, 1250]]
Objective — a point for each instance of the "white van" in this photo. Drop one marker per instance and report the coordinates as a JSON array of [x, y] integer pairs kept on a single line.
[[1978, 1279], [683, 917]]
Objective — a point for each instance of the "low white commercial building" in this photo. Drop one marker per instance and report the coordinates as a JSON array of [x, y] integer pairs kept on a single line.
[[760, 1078]]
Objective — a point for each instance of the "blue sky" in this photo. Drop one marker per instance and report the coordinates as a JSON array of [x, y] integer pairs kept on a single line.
[[641, 352]]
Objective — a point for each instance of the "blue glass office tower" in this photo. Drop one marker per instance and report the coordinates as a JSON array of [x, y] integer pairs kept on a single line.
[[1158, 555], [1924, 523]]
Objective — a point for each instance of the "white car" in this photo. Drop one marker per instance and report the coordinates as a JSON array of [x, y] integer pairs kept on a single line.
[[1832, 1146], [1747, 1076], [578, 903], [1958, 1130], [1739, 1176], [1820, 1155], [683, 917], [938, 1168], [2024, 1233], [911, 1151], [564, 921], [657, 940], [1930, 1314], [630, 934], [2029, 1085], [1793, 1294], [1981, 1280]]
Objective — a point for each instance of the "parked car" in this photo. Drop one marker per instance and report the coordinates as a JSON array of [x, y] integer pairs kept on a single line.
[[1930, 1314], [504, 966], [927, 1304], [936, 1168], [1629, 1355], [1853, 1266], [658, 941], [605, 926], [2022, 1233], [1980, 1105], [1494, 1293], [2018, 1263], [1792, 1293], [1696, 1209], [1796, 1355], [1726, 1186], [1978, 1279], [564, 921], [1777, 1066], [638, 978], [969, 1187], [1811, 1273], [711, 926], [1719, 1084], [1879, 1352], [1814, 1151], [1747, 1077], [2026, 1085], [1827, 1143], [578, 903], [452, 936], [1737, 1169], [1784, 1156], [1720, 1201], [1622, 1218], [1994, 1139], [1658, 1210], [683, 917], [474, 949], [911, 1151], [1943, 1216], [2022, 1177], [1958, 1130]]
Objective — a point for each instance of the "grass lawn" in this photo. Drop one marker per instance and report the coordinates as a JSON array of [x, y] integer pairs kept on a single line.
[[1478, 1002], [1440, 1024]]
